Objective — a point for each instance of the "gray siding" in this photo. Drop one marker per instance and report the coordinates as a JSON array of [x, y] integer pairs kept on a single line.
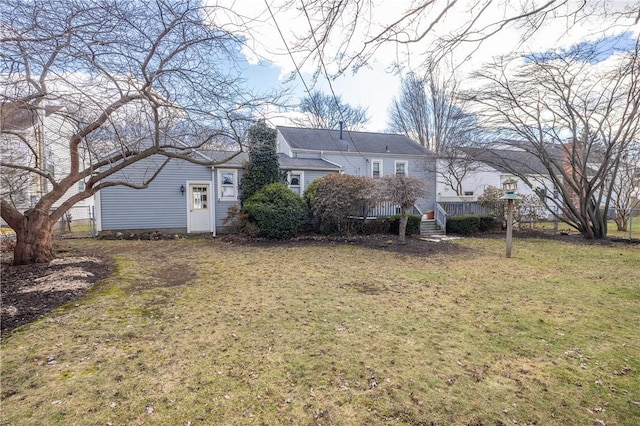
[[159, 206], [353, 164], [222, 207], [310, 176], [423, 166]]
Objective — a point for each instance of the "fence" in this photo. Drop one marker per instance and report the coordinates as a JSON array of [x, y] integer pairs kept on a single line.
[[78, 221]]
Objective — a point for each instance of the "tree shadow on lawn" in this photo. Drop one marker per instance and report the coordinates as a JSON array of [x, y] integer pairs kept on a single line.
[[31, 291], [414, 245]]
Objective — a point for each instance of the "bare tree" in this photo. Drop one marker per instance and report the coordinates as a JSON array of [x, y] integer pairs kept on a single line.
[[626, 189], [430, 110], [579, 115], [403, 191], [347, 34], [325, 111], [126, 81]]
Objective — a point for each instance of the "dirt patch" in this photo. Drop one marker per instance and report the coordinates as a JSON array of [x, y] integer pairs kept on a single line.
[[30, 291]]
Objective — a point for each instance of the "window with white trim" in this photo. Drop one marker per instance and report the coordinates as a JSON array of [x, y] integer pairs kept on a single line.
[[228, 184], [376, 169], [296, 181], [401, 168]]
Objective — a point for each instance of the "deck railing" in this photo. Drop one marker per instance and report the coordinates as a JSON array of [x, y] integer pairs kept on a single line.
[[441, 217], [457, 208]]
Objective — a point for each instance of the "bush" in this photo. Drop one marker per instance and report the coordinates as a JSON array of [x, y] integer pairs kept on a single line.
[[413, 224], [277, 211], [471, 224], [334, 200], [238, 222], [463, 225], [379, 225], [487, 223]]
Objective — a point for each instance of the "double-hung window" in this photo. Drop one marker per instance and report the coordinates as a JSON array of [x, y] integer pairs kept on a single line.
[[401, 168], [296, 182], [376, 169], [228, 184]]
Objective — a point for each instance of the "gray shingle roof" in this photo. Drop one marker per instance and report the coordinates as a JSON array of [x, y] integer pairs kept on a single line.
[[358, 142], [286, 162], [509, 160]]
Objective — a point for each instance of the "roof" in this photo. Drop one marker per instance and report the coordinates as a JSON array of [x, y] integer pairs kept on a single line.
[[285, 161], [509, 160], [300, 138]]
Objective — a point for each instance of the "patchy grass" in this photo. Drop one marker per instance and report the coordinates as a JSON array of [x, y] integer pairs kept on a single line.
[[612, 228], [201, 332]]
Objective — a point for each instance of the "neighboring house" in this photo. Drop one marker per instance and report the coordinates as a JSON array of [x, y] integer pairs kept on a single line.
[[187, 197], [37, 138], [491, 167]]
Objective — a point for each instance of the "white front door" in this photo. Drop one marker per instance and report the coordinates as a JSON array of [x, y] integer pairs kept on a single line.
[[199, 205]]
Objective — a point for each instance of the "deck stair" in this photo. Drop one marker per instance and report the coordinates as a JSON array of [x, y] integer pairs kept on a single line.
[[429, 227]]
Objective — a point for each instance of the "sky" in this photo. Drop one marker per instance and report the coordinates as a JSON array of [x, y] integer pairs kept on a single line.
[[270, 59]]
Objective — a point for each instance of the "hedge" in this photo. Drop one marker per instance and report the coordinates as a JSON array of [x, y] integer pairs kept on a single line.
[[470, 224], [413, 224]]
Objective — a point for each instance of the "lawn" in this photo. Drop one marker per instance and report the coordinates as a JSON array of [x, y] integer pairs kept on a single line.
[[612, 229], [195, 332]]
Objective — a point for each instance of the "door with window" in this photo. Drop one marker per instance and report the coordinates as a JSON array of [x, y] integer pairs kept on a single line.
[[199, 207]]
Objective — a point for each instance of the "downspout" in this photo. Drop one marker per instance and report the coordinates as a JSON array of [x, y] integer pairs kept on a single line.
[[214, 198]]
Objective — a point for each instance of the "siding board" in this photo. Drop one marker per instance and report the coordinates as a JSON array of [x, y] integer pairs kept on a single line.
[[161, 205]]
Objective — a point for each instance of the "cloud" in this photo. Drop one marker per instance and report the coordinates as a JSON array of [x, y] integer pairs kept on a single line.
[[272, 33]]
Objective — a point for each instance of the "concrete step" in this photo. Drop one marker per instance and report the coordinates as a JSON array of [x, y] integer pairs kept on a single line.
[[430, 227]]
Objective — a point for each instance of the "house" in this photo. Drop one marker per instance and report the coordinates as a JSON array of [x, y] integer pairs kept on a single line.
[[36, 137], [192, 198], [490, 166]]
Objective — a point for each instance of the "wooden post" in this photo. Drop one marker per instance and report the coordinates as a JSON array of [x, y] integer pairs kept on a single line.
[[509, 225]]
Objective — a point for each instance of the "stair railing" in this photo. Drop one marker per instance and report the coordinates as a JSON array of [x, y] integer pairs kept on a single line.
[[441, 217]]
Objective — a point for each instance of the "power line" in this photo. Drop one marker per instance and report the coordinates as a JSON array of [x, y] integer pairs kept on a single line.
[[308, 91]]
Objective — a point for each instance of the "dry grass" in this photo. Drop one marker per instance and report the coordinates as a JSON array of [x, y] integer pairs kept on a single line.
[[612, 229], [197, 332]]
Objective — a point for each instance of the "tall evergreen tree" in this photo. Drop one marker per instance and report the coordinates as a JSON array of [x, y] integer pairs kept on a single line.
[[263, 167]]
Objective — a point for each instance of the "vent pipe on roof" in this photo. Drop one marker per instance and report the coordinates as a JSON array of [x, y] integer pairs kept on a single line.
[[340, 130]]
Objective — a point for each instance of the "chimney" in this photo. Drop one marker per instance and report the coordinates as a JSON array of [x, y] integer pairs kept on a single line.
[[340, 130]]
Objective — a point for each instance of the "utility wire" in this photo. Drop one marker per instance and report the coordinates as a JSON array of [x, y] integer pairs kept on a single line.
[[297, 68]]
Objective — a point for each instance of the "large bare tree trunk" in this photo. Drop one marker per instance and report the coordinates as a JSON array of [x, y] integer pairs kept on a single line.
[[34, 239], [402, 227]]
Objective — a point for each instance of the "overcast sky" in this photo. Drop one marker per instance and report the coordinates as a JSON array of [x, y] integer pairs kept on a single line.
[[375, 86]]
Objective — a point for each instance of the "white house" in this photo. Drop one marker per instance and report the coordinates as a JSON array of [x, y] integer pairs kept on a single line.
[[37, 138], [485, 167]]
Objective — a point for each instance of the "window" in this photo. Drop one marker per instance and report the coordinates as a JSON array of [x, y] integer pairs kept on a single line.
[[199, 195], [228, 184], [468, 193], [401, 168], [49, 165], [81, 186], [296, 180], [376, 169]]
